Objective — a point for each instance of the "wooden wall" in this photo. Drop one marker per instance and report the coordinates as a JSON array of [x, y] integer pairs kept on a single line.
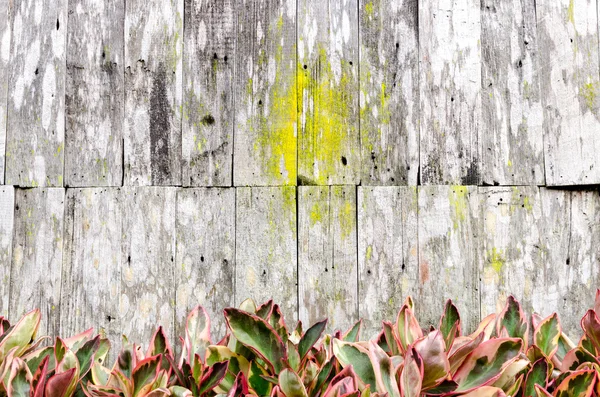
[[334, 155]]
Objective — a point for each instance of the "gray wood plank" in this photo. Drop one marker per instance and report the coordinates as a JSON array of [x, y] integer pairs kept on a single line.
[[450, 91], [37, 255], [153, 92], [266, 101], [36, 105], [7, 215], [387, 253], [91, 277], [94, 93], [148, 260], [266, 247], [512, 115], [208, 117], [5, 35], [205, 258], [389, 92], [327, 263], [568, 37], [449, 230], [329, 141]]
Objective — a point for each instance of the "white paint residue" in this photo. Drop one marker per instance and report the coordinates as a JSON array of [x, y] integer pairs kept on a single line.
[[6, 46], [26, 78], [79, 9], [271, 70], [39, 7], [259, 32], [346, 27], [39, 170], [48, 95], [291, 9], [202, 35]]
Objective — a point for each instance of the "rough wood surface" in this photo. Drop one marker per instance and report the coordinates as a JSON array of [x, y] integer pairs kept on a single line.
[[511, 128], [208, 117], [449, 231], [265, 90], [266, 247], [148, 260], [36, 96], [389, 91], [7, 211], [329, 141], [205, 258], [327, 266], [450, 90], [5, 34], [153, 92], [568, 41], [94, 93], [387, 253], [37, 255]]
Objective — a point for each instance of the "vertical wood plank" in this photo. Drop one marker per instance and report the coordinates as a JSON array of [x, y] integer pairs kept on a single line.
[[265, 91], [208, 59], [387, 253], [91, 277], [94, 93], [329, 142], [449, 229], [512, 115], [266, 247], [327, 263], [450, 91], [5, 36], [568, 31], [36, 105], [7, 211], [148, 260], [205, 259], [153, 92], [37, 255], [389, 92]]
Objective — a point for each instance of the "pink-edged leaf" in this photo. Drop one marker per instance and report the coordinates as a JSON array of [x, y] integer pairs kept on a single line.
[[385, 376], [513, 319], [312, 335], [486, 326], [213, 376], [391, 342], [578, 384], [353, 334], [486, 391], [407, 327], [159, 344], [240, 386], [277, 322], [21, 334], [197, 333], [340, 388], [575, 357], [145, 373], [358, 357], [76, 341], [450, 324], [534, 353], [541, 392], [509, 375], [59, 384], [538, 374], [597, 303], [591, 327], [412, 374], [291, 384], [546, 335], [436, 365], [458, 357], [38, 382], [20, 379], [264, 311]]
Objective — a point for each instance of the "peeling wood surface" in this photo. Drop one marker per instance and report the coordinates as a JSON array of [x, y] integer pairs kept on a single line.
[[389, 92], [7, 211], [327, 265], [205, 257], [36, 101], [5, 35], [94, 93], [208, 116]]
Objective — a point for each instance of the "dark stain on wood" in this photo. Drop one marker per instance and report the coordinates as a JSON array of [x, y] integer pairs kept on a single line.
[[160, 129]]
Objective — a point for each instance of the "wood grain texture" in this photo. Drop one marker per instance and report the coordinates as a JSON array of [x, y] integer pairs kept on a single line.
[[387, 253], [329, 141], [148, 260], [389, 91], [327, 263], [266, 100], [153, 92], [208, 116], [512, 115], [570, 83], [449, 232], [5, 37], [37, 255], [450, 91], [94, 93], [205, 258], [91, 277], [266, 247], [7, 216], [36, 105]]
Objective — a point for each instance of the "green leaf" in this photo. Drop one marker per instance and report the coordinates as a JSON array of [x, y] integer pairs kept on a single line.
[[261, 386], [591, 327], [537, 375], [450, 324], [407, 327], [21, 334], [19, 382], [311, 337], [513, 319], [197, 333], [457, 357], [436, 366], [159, 344], [144, 373], [411, 377], [291, 384], [353, 334], [578, 384], [546, 335], [383, 368], [85, 355], [213, 376], [575, 357], [322, 377], [390, 339], [349, 353], [293, 356]]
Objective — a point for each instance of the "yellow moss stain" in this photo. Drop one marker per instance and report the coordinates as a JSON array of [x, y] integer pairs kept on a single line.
[[495, 258], [571, 12], [588, 92], [457, 196], [316, 214], [346, 217], [369, 252], [369, 9]]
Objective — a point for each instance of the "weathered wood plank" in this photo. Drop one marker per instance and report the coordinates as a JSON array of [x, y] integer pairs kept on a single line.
[[153, 92], [449, 230], [266, 247], [329, 141], [265, 91], [37, 255], [327, 263], [94, 93], [512, 137], [389, 92], [208, 118], [387, 253], [7, 215], [205, 259], [5, 34], [568, 37], [147, 256], [91, 277], [36, 103], [450, 91]]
